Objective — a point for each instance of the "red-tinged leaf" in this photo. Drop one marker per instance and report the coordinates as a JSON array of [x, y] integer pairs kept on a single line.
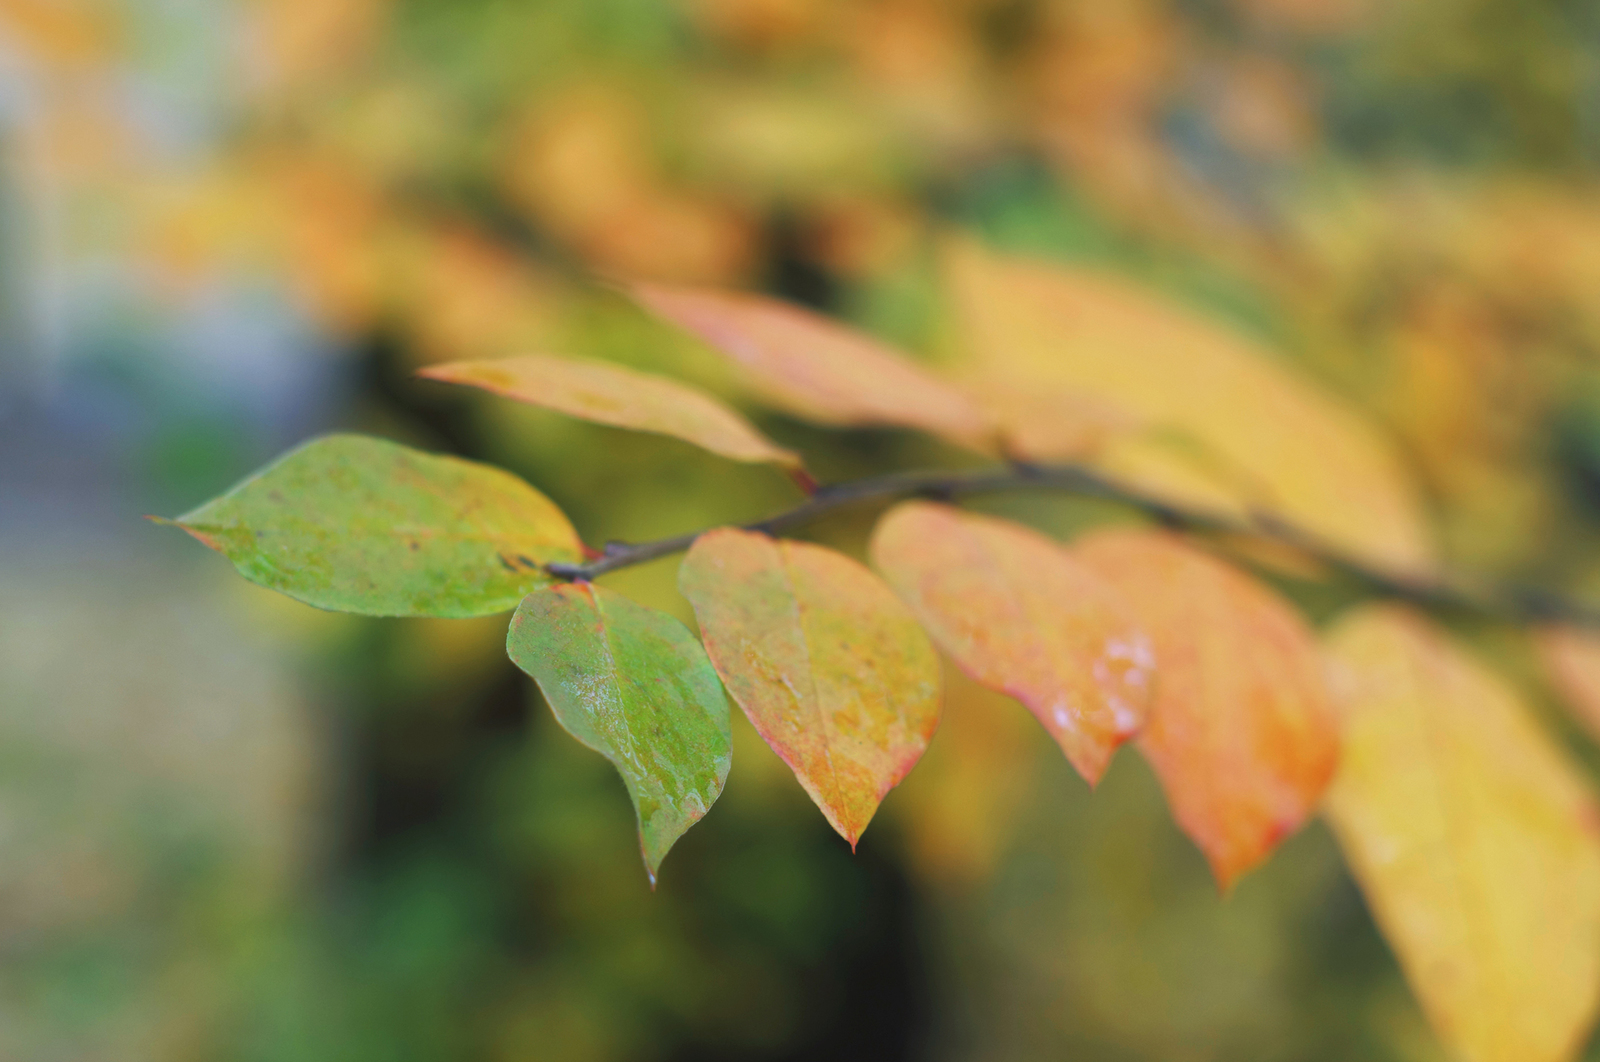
[[621, 397], [1472, 837], [356, 524], [1572, 659], [832, 670], [634, 685], [1241, 732], [1021, 615], [815, 368]]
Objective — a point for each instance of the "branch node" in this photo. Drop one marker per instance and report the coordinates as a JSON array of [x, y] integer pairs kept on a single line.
[[567, 572], [1514, 603]]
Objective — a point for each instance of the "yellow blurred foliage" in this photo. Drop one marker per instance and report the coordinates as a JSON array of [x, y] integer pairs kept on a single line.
[[463, 180], [303, 43], [1292, 449], [69, 34], [580, 164]]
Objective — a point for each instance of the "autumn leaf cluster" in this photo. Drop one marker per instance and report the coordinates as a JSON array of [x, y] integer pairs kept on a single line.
[[446, 178], [1473, 836]]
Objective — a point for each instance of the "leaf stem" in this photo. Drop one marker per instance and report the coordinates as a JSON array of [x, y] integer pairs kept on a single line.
[[1516, 604]]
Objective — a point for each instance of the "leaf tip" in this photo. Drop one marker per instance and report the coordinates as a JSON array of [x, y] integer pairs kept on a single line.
[[652, 853], [850, 831], [1093, 762], [1227, 869], [1228, 865], [189, 529]]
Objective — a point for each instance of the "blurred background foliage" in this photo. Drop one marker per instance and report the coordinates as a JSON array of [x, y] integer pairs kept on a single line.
[[235, 828]]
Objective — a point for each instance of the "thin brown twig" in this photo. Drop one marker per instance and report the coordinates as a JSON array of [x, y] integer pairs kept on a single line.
[[1513, 604]]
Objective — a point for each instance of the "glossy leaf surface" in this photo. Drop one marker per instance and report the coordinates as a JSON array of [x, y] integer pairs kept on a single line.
[[1292, 449], [1240, 733], [634, 685], [1022, 616], [1571, 657], [621, 397], [815, 368], [1472, 838], [832, 670], [357, 524]]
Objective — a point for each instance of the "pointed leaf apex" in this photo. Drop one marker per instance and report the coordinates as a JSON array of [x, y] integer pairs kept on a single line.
[[634, 685], [607, 393], [832, 671]]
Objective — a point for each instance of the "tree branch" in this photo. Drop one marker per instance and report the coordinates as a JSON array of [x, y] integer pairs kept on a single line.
[[1513, 604]]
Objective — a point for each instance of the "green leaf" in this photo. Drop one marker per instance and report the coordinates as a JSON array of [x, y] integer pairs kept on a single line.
[[634, 685], [356, 524]]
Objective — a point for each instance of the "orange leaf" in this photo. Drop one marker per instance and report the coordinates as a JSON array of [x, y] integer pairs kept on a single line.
[[817, 369], [832, 670], [1472, 838], [1572, 658], [1020, 615], [1300, 454], [1240, 733], [620, 397]]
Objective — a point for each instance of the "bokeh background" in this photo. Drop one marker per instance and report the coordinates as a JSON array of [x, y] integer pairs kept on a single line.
[[235, 828]]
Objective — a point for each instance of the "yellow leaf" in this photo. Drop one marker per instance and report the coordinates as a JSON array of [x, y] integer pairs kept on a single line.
[[621, 397], [1303, 456], [1472, 838]]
